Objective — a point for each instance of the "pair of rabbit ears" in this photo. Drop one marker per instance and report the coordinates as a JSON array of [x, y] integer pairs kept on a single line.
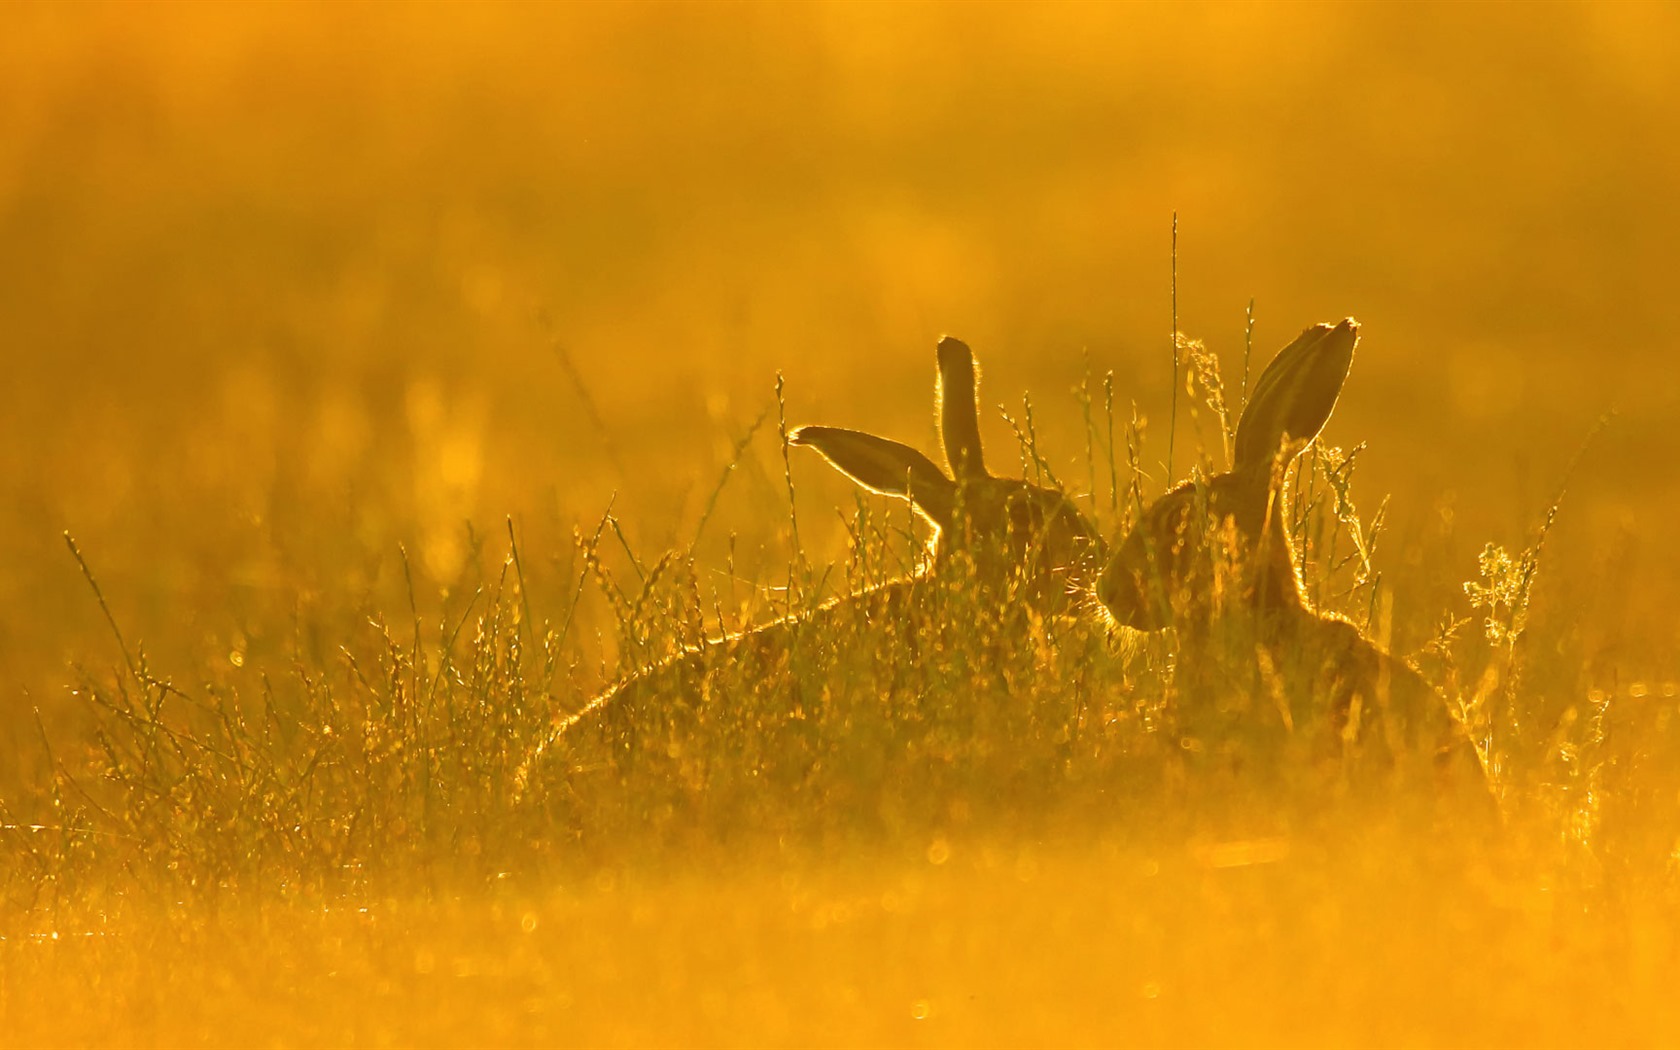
[[1294, 396], [1291, 402], [896, 469]]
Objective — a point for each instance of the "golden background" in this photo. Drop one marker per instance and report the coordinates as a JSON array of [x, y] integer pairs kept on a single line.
[[263, 259], [286, 289]]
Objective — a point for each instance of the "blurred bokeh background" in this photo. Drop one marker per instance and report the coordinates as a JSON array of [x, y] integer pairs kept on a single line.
[[287, 288]]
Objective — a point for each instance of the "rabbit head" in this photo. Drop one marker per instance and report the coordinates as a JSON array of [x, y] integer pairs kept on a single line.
[[1212, 547], [1017, 535]]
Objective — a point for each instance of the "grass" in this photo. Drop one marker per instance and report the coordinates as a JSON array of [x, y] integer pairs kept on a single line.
[[1089, 940], [967, 823]]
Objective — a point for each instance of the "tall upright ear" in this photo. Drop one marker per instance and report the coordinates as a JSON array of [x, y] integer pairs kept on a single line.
[[886, 467], [958, 397], [1294, 396]]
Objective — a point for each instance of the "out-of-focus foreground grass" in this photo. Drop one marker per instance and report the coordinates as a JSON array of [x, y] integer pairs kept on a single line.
[[301, 307]]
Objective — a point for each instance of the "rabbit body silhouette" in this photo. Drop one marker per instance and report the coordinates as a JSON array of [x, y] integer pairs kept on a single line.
[[1212, 558], [997, 540]]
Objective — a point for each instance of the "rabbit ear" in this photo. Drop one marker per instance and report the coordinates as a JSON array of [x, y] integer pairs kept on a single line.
[[959, 401], [1294, 396], [884, 466]]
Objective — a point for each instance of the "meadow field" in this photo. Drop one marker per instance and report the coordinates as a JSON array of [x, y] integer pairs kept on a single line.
[[379, 384]]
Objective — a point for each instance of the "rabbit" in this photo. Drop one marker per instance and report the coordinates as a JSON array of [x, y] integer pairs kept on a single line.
[[1002, 540], [1212, 558], [1013, 532]]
